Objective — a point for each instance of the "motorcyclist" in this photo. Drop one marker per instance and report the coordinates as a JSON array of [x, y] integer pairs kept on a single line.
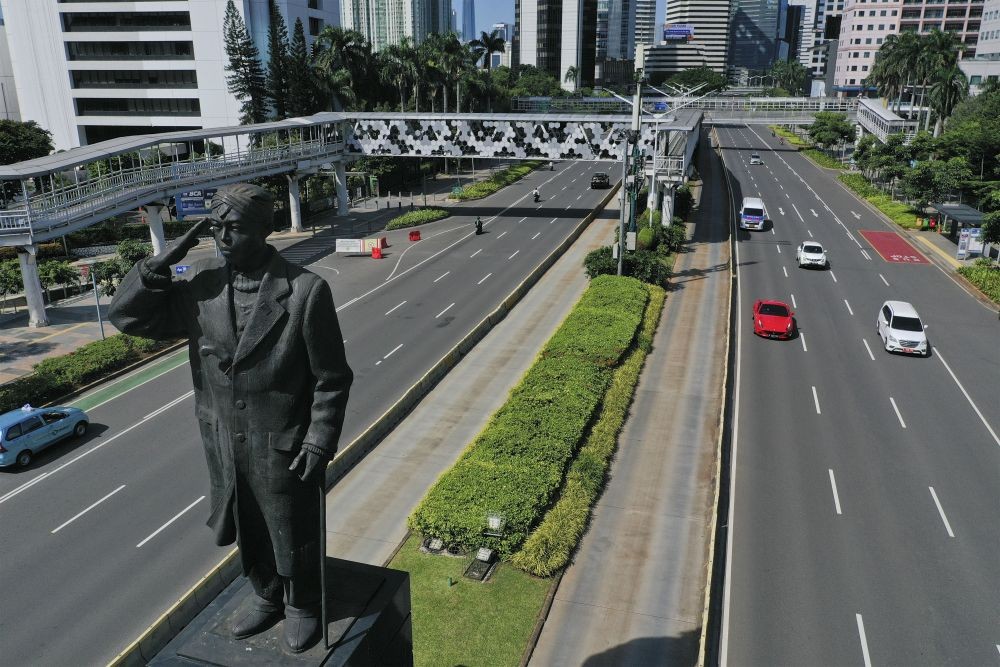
[[551, 166], [535, 194], [479, 225]]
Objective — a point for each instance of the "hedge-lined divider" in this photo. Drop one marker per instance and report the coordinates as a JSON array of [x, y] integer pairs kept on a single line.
[[517, 463], [58, 376], [497, 181], [550, 545], [414, 218]]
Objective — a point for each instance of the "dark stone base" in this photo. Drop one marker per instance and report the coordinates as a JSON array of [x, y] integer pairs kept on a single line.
[[368, 615]]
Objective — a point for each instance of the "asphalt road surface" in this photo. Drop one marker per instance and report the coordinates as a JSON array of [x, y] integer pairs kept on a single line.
[[864, 527], [103, 535]]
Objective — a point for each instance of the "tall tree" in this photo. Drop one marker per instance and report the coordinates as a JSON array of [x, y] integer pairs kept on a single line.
[[488, 44], [949, 88], [342, 59], [396, 67], [830, 129], [245, 78], [277, 61], [19, 142], [790, 75], [301, 92]]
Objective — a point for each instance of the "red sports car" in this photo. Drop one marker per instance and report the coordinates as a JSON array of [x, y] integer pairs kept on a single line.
[[773, 319]]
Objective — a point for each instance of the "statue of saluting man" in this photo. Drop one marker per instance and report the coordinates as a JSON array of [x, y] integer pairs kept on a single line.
[[271, 382]]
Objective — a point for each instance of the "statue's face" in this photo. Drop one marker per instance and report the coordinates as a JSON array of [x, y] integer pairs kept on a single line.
[[242, 243]]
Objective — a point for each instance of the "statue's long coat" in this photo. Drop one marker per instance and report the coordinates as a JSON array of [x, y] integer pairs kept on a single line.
[[284, 382]]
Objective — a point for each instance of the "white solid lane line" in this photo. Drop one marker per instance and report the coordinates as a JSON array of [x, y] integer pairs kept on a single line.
[[940, 509], [176, 516], [797, 213], [502, 234], [536, 236], [483, 279], [475, 253], [394, 308], [442, 276], [513, 256], [884, 280], [816, 400], [851, 311], [63, 525], [802, 338], [868, 348], [896, 410], [443, 312], [785, 271], [937, 353], [864, 641], [393, 351], [836, 496]]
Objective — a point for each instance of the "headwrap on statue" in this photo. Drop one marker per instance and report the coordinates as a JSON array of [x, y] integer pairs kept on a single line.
[[255, 204]]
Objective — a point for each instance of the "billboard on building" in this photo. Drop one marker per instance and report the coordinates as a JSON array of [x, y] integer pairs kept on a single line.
[[678, 32]]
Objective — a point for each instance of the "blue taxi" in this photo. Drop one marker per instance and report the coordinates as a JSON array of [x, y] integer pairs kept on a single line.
[[25, 432]]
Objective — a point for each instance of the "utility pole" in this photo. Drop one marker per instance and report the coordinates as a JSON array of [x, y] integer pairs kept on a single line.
[[631, 189]]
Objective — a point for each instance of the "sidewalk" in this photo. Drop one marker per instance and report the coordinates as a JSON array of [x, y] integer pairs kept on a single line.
[[73, 321]]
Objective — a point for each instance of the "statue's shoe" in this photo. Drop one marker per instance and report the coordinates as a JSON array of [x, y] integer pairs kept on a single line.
[[302, 628], [262, 616]]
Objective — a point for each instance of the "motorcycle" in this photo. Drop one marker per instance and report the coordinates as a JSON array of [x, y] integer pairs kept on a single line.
[[537, 198], [479, 226]]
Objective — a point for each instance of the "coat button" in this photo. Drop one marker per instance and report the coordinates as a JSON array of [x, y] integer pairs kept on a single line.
[[240, 437], [240, 405]]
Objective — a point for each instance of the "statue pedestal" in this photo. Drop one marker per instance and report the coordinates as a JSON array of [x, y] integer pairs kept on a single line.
[[368, 615]]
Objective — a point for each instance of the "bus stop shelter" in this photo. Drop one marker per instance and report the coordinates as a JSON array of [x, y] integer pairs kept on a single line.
[[953, 217]]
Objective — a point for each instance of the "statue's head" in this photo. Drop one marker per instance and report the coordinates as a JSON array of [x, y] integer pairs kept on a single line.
[[242, 215]]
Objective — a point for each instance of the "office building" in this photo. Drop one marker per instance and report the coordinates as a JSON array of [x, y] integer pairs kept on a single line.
[[709, 21], [826, 28], [90, 71], [385, 22], [806, 37], [621, 29], [556, 35], [469, 20], [439, 17], [504, 31], [645, 22], [867, 23], [662, 61], [755, 29], [8, 90], [985, 65]]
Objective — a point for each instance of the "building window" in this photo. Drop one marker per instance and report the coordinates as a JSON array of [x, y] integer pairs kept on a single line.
[[130, 50], [315, 4], [137, 107], [975, 79], [125, 21], [134, 78], [315, 25]]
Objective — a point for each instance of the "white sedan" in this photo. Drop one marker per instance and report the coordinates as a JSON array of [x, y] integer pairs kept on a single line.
[[811, 253]]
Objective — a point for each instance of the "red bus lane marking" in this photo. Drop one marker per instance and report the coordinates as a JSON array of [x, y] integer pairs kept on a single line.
[[893, 247]]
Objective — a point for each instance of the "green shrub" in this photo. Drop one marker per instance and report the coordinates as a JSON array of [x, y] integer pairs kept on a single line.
[[823, 159], [548, 548], [497, 181], [672, 238], [985, 275], [414, 218], [649, 266], [902, 214], [45, 251], [600, 262], [643, 219], [34, 389], [683, 202], [516, 464], [645, 239]]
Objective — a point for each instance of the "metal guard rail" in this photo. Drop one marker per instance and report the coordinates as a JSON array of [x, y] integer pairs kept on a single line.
[[136, 184]]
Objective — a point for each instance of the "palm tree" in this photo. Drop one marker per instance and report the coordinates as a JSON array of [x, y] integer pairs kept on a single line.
[[341, 58], [488, 44], [949, 88], [938, 53], [395, 67], [571, 75]]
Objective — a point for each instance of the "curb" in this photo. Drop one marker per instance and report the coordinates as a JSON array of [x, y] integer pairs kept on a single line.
[[181, 612]]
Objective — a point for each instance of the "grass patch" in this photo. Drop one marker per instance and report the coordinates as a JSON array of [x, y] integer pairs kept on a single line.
[[549, 547], [414, 218], [902, 214], [468, 623], [986, 276], [791, 137], [822, 159], [497, 181]]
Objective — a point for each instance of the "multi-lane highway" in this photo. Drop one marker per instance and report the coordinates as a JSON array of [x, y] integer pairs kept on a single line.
[[864, 523], [102, 536]]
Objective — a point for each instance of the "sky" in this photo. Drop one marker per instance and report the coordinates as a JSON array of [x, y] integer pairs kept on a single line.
[[489, 12]]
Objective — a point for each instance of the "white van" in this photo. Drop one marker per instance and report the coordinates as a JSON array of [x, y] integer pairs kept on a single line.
[[901, 330], [753, 215]]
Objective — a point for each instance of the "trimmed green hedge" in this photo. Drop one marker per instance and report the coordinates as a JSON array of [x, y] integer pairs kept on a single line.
[[497, 181], [58, 376], [414, 218], [822, 159], [985, 275], [550, 545], [516, 464], [900, 213]]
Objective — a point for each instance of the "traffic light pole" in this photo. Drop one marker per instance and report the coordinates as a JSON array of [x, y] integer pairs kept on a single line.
[[631, 189]]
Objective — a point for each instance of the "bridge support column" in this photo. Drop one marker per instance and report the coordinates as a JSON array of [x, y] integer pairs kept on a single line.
[[294, 202], [341, 182], [667, 214], [651, 196], [32, 286], [155, 215]]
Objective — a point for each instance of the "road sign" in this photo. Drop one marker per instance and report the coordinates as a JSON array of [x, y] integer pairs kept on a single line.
[[85, 271], [659, 106], [349, 245], [194, 202], [181, 269]]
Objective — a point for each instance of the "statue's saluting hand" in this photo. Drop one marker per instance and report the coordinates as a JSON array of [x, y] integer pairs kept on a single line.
[[178, 250]]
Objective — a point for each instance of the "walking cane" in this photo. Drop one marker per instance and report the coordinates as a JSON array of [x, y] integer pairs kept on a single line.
[[322, 560]]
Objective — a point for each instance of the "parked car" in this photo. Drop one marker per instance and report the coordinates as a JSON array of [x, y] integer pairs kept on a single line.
[[25, 432], [600, 180], [811, 253], [901, 330], [773, 319], [755, 159]]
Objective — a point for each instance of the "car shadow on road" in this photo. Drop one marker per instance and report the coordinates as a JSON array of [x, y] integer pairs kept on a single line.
[[681, 650], [54, 453]]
